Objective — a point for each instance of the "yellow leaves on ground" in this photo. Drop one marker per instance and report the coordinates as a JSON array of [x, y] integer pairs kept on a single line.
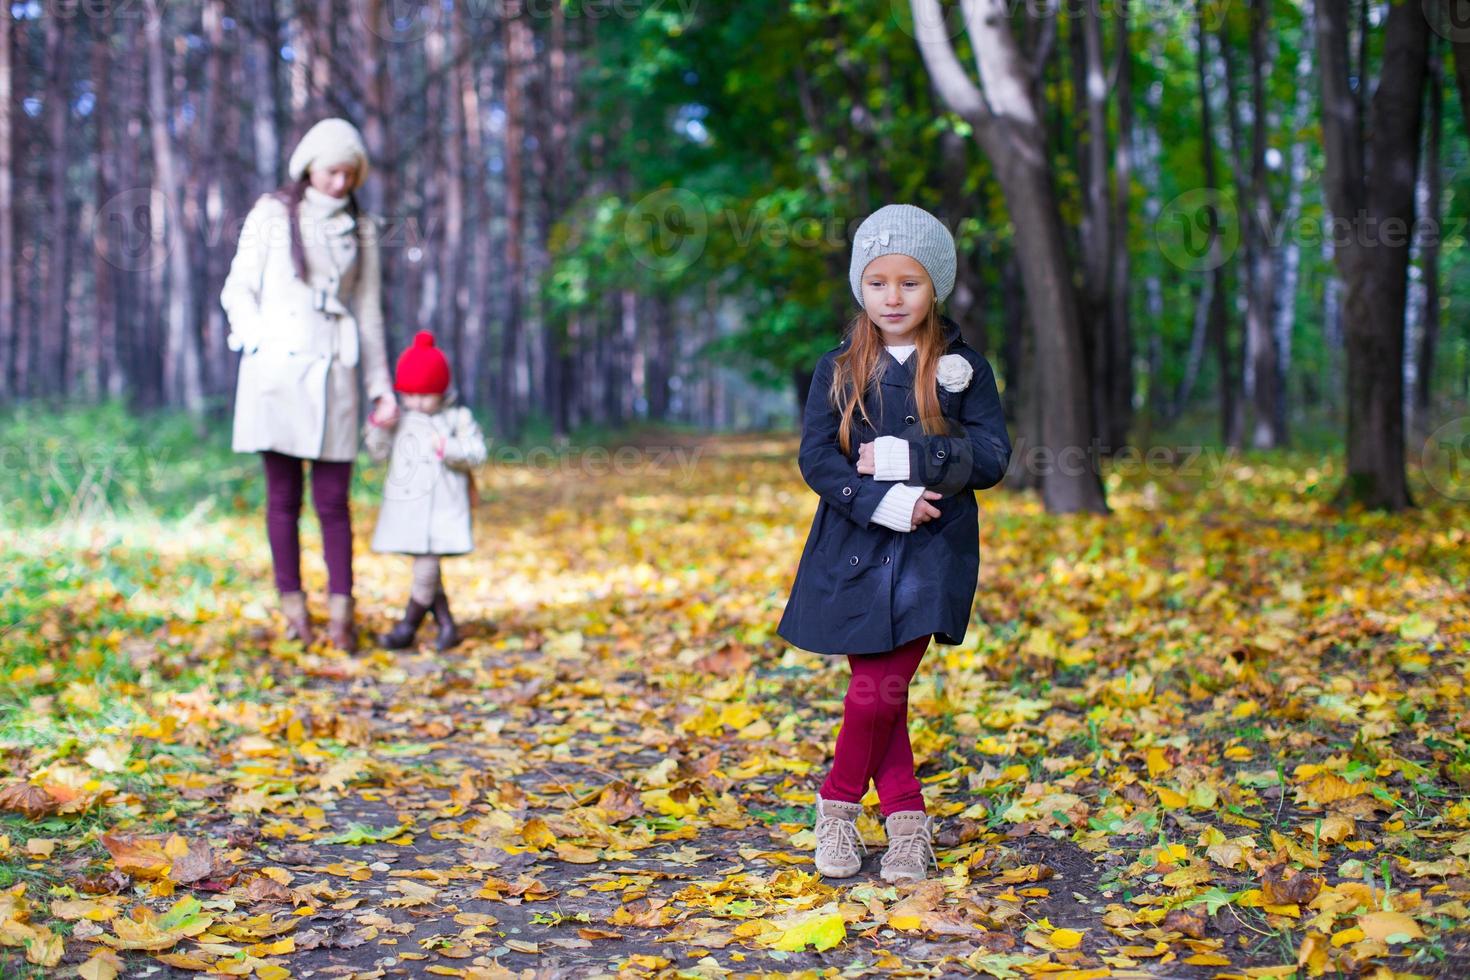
[[145, 929], [1065, 938], [103, 965], [821, 930], [1204, 719], [172, 857], [1326, 787], [42, 946], [1389, 927], [57, 789]]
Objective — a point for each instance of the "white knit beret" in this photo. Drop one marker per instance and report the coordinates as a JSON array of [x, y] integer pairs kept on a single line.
[[902, 229], [327, 144]]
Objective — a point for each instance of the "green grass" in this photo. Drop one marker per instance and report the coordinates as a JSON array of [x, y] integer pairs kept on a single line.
[[102, 464]]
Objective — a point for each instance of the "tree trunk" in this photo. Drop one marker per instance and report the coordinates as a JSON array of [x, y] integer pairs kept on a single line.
[[103, 363], [1291, 248], [1429, 250], [1219, 329], [964, 303], [1377, 205], [555, 168], [1120, 408], [518, 55], [467, 85], [138, 338], [449, 317], [1008, 128], [210, 204], [1095, 234], [49, 370], [261, 72], [181, 376], [1266, 431], [1242, 171], [7, 208]]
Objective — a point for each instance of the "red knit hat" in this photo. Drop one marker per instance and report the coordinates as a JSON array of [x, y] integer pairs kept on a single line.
[[422, 369]]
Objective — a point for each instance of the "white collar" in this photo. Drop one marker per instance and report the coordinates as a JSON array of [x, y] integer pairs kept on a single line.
[[321, 204]]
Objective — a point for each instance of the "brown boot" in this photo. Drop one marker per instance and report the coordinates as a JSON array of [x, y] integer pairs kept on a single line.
[[341, 630], [298, 621], [449, 635], [910, 847], [403, 633]]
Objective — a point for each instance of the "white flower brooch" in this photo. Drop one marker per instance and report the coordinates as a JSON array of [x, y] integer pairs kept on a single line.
[[954, 372]]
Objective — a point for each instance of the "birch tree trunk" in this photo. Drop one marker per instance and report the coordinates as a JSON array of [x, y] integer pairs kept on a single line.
[[1008, 128], [1291, 249], [1267, 430], [1429, 255]]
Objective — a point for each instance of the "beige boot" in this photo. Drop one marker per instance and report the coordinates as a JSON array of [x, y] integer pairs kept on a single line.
[[838, 838], [298, 621], [910, 846], [341, 629]]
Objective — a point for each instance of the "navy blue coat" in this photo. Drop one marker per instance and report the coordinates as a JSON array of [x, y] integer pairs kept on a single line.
[[861, 587]]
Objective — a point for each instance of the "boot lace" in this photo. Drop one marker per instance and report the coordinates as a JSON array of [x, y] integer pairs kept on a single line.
[[844, 839], [918, 846]]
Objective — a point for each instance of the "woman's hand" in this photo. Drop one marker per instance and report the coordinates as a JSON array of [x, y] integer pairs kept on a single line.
[[385, 411], [925, 511], [867, 462]]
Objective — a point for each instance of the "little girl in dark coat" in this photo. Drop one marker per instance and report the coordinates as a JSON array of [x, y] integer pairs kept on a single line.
[[902, 425]]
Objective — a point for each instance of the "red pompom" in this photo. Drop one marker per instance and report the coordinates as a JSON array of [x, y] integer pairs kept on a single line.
[[423, 368]]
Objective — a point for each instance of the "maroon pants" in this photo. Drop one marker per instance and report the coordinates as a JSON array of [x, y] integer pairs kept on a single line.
[[873, 743], [284, 483]]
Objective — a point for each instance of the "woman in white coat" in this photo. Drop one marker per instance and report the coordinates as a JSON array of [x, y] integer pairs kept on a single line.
[[303, 301]]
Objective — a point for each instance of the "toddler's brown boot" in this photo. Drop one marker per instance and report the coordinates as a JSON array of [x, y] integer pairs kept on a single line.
[[449, 635], [403, 632]]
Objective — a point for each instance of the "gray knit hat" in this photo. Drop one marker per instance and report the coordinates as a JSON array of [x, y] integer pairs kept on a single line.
[[902, 229]]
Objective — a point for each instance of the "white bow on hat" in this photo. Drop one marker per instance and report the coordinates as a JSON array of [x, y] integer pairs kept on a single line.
[[880, 237]]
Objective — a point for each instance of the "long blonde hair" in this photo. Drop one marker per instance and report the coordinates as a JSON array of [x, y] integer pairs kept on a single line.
[[862, 361]]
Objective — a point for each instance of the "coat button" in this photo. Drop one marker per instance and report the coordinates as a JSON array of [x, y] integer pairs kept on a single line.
[[847, 491], [939, 453], [853, 560], [887, 559], [909, 420]]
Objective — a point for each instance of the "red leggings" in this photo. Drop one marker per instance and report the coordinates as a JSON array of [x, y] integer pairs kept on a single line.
[[873, 743]]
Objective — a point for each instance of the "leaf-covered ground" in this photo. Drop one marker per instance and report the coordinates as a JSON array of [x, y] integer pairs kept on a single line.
[[1220, 733]]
